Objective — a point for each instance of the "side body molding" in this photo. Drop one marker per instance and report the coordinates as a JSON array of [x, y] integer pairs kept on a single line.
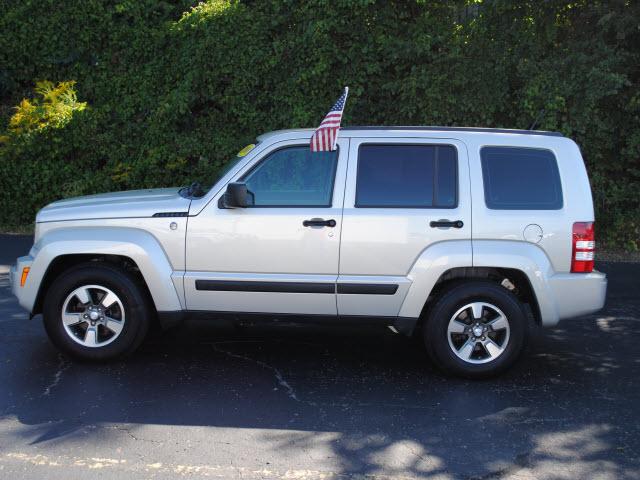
[[427, 269], [136, 244]]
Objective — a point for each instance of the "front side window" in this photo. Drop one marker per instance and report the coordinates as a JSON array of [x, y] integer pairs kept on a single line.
[[293, 177], [517, 178], [409, 176]]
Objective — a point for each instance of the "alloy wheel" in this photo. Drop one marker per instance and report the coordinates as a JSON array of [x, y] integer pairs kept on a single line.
[[93, 316], [478, 332]]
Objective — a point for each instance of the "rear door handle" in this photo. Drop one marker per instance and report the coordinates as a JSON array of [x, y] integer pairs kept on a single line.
[[319, 222], [446, 224]]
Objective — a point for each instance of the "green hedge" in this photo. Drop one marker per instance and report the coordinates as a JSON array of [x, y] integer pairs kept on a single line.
[[173, 89]]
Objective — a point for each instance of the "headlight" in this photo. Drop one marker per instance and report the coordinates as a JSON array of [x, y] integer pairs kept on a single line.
[[36, 232]]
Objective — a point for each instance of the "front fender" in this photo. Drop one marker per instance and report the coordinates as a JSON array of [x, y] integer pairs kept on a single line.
[[138, 245]]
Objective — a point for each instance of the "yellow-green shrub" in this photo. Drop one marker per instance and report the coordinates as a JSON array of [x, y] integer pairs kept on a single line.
[[54, 109]]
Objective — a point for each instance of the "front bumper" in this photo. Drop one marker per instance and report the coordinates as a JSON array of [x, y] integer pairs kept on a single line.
[[12, 275], [25, 294]]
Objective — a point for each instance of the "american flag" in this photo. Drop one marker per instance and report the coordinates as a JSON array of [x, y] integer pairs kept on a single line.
[[325, 137]]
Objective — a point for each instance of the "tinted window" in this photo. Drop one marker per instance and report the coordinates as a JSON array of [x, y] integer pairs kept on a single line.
[[520, 179], [447, 181], [293, 176], [414, 176]]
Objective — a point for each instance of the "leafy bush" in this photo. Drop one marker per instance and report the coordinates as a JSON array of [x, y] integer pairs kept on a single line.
[[175, 88], [55, 110]]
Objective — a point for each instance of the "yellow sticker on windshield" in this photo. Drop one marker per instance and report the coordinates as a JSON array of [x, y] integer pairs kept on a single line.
[[246, 150]]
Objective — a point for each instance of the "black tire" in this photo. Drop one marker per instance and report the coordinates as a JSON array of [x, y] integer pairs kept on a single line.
[[436, 336], [134, 298]]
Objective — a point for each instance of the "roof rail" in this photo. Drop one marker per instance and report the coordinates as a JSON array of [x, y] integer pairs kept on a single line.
[[459, 129]]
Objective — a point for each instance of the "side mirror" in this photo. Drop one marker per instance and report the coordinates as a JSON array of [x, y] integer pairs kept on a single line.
[[235, 196]]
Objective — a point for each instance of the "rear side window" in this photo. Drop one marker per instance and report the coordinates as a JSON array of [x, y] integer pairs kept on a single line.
[[409, 176], [520, 179]]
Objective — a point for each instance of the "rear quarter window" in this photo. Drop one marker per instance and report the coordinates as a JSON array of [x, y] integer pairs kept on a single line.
[[517, 178]]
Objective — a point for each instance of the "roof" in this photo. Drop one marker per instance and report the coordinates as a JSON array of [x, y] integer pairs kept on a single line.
[[458, 129], [267, 135], [417, 128]]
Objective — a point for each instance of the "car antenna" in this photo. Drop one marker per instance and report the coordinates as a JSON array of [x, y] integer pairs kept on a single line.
[[537, 120]]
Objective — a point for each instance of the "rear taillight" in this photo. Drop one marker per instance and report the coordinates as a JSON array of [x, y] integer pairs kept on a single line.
[[584, 247]]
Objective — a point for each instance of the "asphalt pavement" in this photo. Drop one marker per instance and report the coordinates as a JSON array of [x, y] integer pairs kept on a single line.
[[208, 401]]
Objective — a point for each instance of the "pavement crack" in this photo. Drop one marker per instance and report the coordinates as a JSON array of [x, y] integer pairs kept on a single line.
[[63, 364], [521, 461], [292, 393], [277, 373], [413, 452], [420, 456], [126, 430]]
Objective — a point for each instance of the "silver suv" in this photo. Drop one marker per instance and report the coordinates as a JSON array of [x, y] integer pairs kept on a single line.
[[466, 237]]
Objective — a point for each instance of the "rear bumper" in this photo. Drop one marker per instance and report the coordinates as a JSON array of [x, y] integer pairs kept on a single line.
[[576, 294]]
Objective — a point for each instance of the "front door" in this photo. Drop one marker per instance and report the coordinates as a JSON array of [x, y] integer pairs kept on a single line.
[[279, 255]]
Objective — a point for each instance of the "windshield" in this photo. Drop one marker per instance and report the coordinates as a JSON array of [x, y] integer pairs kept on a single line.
[[225, 169], [195, 190], [233, 162]]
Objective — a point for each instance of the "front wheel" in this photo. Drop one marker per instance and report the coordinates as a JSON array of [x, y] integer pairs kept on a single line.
[[476, 330], [96, 311]]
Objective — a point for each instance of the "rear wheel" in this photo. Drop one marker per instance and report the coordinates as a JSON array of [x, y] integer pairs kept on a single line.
[[476, 329], [96, 311]]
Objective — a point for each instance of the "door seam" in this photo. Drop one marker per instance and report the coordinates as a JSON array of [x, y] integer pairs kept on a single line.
[[344, 192]]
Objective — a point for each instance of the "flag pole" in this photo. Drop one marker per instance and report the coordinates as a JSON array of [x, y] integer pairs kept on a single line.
[[344, 105]]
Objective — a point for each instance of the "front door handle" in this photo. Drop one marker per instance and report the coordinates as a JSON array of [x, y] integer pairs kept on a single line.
[[319, 222], [446, 224]]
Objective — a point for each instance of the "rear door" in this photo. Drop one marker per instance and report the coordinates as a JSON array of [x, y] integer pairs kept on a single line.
[[402, 196]]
